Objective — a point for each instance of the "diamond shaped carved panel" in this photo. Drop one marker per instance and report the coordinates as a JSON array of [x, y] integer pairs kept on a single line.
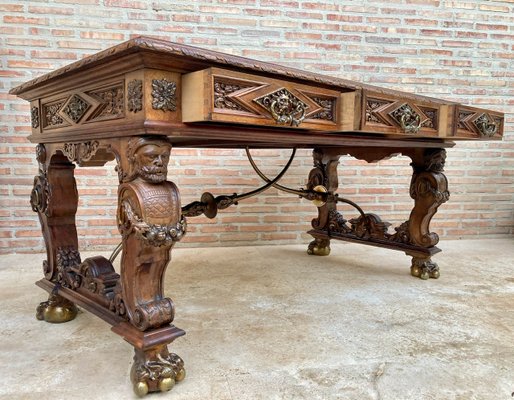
[[75, 108]]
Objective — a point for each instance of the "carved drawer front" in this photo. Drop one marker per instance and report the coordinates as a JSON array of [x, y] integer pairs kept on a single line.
[[386, 114], [479, 124], [221, 95]]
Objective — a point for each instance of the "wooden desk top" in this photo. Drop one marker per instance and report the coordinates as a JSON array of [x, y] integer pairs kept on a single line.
[[200, 97]]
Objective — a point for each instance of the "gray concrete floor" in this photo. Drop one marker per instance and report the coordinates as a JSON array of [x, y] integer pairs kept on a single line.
[[275, 323]]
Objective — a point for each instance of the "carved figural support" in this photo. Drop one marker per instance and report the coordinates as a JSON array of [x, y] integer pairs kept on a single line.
[[150, 221]]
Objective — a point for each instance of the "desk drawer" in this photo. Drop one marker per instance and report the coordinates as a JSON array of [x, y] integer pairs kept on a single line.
[[220, 95], [387, 114], [475, 123]]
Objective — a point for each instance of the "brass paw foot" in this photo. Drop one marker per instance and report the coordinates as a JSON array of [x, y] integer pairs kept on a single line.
[[424, 268], [56, 310], [156, 370], [319, 247]]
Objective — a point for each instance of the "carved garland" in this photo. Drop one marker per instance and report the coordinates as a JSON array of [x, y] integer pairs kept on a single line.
[[152, 234]]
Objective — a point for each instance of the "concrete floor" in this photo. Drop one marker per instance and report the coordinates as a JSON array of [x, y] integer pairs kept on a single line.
[[274, 323]]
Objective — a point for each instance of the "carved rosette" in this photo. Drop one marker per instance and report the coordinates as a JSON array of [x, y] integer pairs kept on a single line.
[[163, 95], [135, 95], [40, 195]]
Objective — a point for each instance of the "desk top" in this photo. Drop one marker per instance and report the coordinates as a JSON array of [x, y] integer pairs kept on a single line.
[[200, 97]]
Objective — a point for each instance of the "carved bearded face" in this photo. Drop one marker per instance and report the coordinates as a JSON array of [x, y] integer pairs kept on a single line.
[[152, 162], [436, 160]]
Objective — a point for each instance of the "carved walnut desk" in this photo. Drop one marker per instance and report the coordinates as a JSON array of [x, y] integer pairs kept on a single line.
[[137, 100]]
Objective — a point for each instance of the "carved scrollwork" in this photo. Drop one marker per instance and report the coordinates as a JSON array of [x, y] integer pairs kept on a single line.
[[370, 226], [135, 95], [337, 223], [112, 103], [154, 314], [67, 257], [40, 195], [163, 95], [51, 114], [372, 105], [117, 305], [80, 152], [221, 92], [97, 275], [328, 109]]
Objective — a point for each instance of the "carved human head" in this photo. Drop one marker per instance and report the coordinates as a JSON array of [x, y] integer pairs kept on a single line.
[[149, 159], [435, 159]]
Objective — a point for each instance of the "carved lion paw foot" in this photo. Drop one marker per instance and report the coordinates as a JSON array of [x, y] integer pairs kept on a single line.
[[424, 268], [156, 371], [56, 310], [319, 247]]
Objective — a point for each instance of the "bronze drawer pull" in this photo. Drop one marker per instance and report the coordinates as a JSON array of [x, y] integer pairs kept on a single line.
[[287, 110], [486, 127]]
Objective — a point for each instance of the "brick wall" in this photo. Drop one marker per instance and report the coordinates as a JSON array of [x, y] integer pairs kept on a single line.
[[456, 50]]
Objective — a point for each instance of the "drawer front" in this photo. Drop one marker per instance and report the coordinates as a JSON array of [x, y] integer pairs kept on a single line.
[[386, 114], [475, 123], [220, 95]]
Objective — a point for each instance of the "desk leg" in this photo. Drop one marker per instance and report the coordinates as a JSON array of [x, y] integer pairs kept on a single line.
[[150, 221], [55, 198], [323, 174], [429, 189]]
